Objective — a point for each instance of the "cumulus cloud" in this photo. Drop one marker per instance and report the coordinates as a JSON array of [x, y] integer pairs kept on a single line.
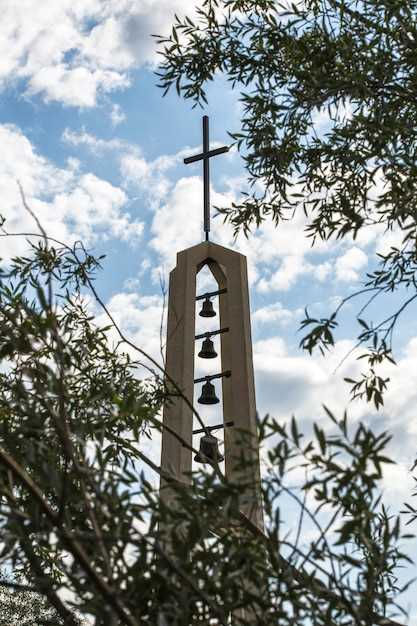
[[283, 255], [139, 317], [117, 116], [149, 177], [295, 384], [71, 51], [70, 204], [322, 270], [95, 206], [275, 313], [349, 263], [93, 143], [290, 269], [277, 257], [178, 223], [76, 86], [289, 383]]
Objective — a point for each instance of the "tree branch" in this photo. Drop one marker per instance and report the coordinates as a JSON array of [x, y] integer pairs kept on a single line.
[[76, 549]]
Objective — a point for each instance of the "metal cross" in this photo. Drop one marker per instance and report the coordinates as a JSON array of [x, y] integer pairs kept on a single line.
[[205, 156]]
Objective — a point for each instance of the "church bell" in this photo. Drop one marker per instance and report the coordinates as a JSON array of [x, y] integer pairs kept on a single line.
[[208, 394], [207, 349], [207, 309], [209, 450]]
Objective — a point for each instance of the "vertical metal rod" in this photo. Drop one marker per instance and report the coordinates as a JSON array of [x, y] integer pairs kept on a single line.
[[206, 176]]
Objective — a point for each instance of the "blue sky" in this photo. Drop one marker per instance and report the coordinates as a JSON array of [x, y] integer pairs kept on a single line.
[[99, 153]]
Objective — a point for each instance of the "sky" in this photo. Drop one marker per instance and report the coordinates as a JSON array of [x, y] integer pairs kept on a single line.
[[99, 153]]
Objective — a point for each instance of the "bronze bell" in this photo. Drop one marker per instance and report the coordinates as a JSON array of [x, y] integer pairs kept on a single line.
[[207, 349], [208, 394], [207, 309], [209, 450]]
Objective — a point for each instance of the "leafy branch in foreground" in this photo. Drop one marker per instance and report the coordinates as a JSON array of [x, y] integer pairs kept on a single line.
[[377, 336], [22, 605], [80, 515], [328, 127], [291, 62]]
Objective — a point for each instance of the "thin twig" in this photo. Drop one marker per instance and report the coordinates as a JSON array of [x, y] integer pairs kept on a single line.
[[43, 233], [118, 330], [307, 579], [161, 326]]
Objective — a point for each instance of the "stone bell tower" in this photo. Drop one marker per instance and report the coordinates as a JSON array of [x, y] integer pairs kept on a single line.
[[235, 371]]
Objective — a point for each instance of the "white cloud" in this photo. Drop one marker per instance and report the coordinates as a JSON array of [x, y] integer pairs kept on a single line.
[[400, 404], [178, 223], [324, 119], [76, 87], [295, 384], [131, 284], [151, 176], [291, 268], [70, 204], [282, 254], [299, 384], [398, 483], [139, 317], [387, 239], [137, 173], [117, 116], [322, 271], [275, 313], [70, 51], [94, 207], [348, 264], [147, 176], [277, 256], [93, 143]]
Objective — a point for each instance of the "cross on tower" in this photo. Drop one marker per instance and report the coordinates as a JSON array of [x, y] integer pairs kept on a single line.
[[205, 156]]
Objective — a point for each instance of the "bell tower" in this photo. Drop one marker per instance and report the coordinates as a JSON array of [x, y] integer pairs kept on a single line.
[[235, 364]]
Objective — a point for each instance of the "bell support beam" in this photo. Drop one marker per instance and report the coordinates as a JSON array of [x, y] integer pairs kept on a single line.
[[211, 333], [209, 377], [210, 428], [211, 294]]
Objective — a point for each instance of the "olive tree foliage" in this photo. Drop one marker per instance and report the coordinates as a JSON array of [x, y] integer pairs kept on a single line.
[[81, 521], [20, 606], [351, 65]]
